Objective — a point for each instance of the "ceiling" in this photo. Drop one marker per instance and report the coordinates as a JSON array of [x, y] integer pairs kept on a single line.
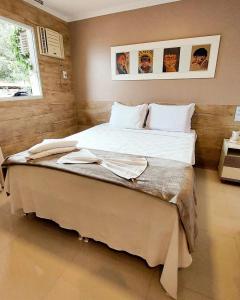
[[72, 10]]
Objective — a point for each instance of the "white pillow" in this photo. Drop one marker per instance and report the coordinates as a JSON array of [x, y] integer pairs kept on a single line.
[[132, 117], [170, 117]]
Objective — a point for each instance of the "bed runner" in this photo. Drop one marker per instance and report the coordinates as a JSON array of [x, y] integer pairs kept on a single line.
[[168, 180]]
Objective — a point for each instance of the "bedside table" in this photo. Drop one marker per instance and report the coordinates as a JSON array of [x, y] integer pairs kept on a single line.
[[229, 165]]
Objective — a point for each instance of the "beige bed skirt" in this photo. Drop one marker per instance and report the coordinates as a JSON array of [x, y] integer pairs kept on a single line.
[[122, 218]]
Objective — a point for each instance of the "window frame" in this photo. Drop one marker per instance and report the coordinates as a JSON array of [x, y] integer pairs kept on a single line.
[[35, 61]]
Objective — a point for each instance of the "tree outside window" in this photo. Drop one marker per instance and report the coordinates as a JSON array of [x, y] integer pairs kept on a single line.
[[19, 74]]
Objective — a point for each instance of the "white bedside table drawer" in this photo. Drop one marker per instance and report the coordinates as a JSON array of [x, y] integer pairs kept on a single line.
[[230, 173], [229, 165]]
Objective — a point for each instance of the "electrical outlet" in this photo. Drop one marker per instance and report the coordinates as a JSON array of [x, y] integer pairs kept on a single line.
[[237, 115], [65, 75]]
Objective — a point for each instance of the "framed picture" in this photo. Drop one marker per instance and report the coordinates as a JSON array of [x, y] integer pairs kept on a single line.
[[173, 59], [145, 61], [200, 57], [122, 63]]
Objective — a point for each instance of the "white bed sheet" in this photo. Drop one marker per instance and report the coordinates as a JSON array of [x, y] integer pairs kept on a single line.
[[178, 146]]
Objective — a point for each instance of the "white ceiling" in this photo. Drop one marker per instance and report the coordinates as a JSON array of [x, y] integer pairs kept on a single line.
[[72, 10]]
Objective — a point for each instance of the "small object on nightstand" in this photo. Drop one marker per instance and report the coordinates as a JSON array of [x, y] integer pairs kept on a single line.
[[229, 165], [235, 137]]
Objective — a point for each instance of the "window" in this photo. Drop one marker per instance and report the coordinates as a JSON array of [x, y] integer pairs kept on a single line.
[[19, 70]]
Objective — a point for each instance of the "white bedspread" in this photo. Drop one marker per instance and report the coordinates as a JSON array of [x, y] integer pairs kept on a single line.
[[153, 143]]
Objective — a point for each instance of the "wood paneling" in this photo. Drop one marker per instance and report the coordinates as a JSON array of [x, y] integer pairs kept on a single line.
[[24, 123], [212, 123]]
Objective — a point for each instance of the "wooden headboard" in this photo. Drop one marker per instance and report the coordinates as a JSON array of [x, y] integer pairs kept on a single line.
[[212, 123]]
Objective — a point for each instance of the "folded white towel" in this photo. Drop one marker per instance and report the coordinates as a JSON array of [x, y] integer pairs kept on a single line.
[[80, 157], [126, 168], [49, 152], [52, 144]]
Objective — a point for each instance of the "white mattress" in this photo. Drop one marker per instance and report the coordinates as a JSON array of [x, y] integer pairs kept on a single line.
[[153, 143]]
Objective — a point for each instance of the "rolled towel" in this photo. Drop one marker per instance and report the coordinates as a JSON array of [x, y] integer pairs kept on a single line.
[[50, 144], [49, 152]]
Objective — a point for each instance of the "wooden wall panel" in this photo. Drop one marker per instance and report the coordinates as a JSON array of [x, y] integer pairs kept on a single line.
[[212, 123], [24, 123]]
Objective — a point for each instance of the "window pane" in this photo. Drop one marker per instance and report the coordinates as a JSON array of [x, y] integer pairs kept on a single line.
[[19, 73]]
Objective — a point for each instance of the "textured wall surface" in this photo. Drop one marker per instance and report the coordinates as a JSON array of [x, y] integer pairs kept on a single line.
[[24, 123]]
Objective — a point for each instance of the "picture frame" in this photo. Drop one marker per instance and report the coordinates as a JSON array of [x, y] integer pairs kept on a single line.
[[172, 59]]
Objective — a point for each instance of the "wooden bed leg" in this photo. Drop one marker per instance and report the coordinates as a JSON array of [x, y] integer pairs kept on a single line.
[[85, 240]]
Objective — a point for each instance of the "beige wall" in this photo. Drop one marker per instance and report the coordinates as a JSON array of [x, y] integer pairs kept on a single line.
[[93, 38], [24, 123]]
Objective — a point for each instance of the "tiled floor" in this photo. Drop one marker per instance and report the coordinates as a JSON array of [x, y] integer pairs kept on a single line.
[[38, 260]]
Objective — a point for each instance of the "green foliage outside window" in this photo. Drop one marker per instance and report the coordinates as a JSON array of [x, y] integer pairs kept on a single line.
[[14, 66], [22, 59]]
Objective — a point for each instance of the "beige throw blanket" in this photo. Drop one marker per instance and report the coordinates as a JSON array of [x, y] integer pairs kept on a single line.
[[168, 180]]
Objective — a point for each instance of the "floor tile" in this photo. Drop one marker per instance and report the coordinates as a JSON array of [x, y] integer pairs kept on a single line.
[[214, 272], [34, 259], [98, 272], [27, 271], [218, 204], [186, 294], [155, 290]]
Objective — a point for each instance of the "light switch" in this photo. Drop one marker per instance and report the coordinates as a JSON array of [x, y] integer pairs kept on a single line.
[[237, 115], [65, 75]]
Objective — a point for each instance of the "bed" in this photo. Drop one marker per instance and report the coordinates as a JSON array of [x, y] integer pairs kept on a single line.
[[125, 219]]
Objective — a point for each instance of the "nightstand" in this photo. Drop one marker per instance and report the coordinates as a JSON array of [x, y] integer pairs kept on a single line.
[[229, 165]]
